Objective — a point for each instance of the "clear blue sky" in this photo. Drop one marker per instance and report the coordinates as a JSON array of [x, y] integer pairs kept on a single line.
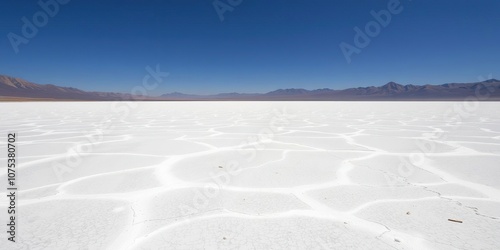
[[261, 45]]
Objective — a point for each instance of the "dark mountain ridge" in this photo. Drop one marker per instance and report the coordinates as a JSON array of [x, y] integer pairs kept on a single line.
[[488, 90]]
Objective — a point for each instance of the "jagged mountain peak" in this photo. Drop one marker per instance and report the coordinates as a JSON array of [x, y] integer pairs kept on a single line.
[[393, 85]]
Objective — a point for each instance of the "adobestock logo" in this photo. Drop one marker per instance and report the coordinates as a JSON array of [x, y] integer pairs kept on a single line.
[[372, 29], [40, 19], [222, 7]]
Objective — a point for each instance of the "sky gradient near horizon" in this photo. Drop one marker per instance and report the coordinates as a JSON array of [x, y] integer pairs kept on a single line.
[[260, 45]]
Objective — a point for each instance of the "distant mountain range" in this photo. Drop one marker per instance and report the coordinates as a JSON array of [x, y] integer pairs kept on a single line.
[[11, 87], [18, 89], [389, 92]]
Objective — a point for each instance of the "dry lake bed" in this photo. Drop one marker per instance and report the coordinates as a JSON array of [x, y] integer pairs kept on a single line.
[[252, 175]]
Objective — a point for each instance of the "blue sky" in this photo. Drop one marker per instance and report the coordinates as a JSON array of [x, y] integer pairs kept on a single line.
[[261, 45]]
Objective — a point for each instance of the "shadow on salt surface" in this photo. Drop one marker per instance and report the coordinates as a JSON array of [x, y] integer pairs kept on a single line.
[[227, 232], [71, 224], [45, 173], [187, 204], [429, 219], [383, 170], [349, 197], [483, 169]]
